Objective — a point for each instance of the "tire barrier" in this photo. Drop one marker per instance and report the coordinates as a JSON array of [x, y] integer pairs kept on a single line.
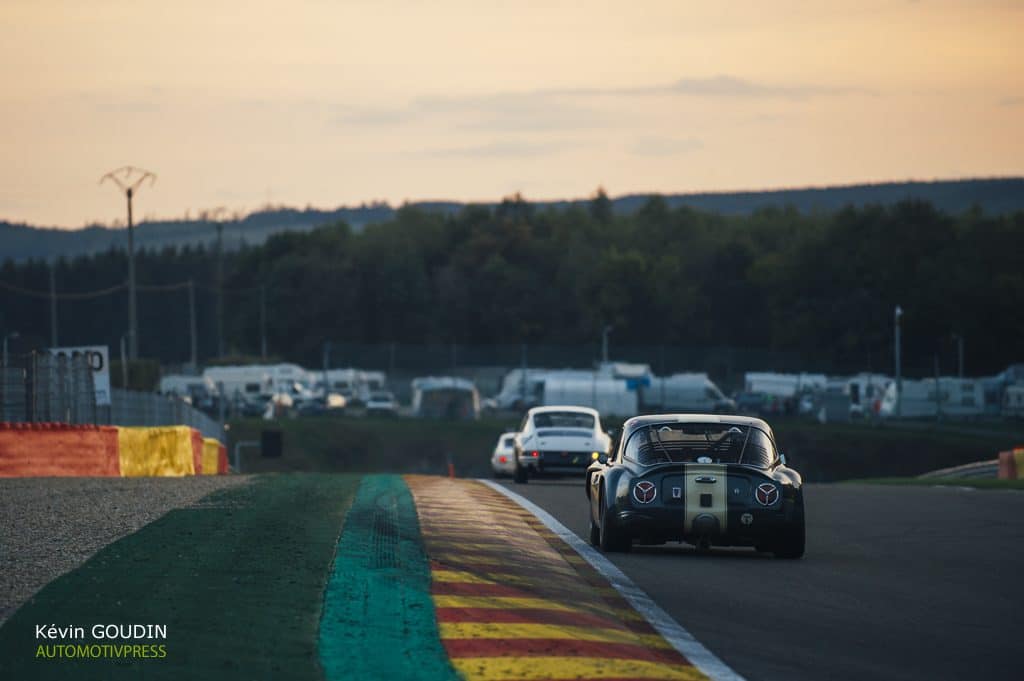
[[55, 449], [215, 457], [52, 449], [165, 450], [1011, 464]]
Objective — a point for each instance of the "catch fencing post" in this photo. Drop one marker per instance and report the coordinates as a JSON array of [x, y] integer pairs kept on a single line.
[[252, 444]]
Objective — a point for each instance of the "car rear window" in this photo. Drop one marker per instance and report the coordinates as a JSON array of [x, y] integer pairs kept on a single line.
[[551, 432], [563, 419], [686, 442]]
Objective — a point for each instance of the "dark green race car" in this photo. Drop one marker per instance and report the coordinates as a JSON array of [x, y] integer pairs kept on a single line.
[[703, 479]]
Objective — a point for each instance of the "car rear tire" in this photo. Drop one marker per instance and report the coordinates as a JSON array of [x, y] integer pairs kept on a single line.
[[612, 539], [792, 543], [520, 475]]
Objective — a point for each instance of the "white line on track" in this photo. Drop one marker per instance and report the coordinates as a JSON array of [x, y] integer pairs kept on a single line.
[[680, 639]]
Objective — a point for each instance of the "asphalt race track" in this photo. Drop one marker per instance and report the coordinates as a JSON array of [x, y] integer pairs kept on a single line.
[[898, 583]]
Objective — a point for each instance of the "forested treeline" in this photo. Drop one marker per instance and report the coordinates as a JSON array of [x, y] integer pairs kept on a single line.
[[821, 284]]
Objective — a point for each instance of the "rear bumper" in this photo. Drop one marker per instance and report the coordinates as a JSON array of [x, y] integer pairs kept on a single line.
[[508, 468], [557, 463], [658, 525]]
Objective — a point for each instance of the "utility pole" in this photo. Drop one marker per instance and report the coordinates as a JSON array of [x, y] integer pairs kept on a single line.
[[10, 336], [327, 366], [897, 316], [193, 336], [214, 216], [522, 374], [263, 322], [604, 344], [53, 305], [128, 179]]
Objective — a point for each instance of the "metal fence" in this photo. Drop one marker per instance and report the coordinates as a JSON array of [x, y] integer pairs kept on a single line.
[[41, 388], [132, 408]]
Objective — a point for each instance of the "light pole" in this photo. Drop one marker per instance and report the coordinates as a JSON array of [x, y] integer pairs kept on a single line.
[[897, 316], [12, 336], [128, 179], [959, 354]]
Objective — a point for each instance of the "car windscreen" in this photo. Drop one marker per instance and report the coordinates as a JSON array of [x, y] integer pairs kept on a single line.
[[690, 442], [508, 442], [563, 419]]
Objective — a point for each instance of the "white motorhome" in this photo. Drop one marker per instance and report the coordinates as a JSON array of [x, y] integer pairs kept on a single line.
[[290, 379], [251, 382], [955, 398], [783, 385], [445, 397], [198, 391], [687, 392], [866, 391], [350, 383], [1013, 401], [257, 382]]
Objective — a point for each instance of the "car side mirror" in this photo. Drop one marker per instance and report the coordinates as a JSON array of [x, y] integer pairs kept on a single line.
[[782, 458], [602, 459]]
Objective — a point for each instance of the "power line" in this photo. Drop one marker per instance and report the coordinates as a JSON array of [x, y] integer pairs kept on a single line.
[[63, 296], [164, 287], [14, 288]]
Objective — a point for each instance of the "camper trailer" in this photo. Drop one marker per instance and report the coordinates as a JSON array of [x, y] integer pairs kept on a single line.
[[955, 398], [445, 397]]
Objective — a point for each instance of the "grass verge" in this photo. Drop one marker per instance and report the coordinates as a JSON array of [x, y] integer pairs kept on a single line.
[[238, 582], [821, 452]]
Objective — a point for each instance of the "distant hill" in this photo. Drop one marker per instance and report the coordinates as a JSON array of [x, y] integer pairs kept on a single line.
[[23, 242]]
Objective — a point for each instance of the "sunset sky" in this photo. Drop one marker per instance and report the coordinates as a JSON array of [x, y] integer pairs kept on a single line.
[[324, 103]]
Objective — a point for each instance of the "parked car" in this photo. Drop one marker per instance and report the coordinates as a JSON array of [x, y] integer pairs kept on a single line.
[[702, 479], [502, 458], [558, 440], [381, 403], [322, 406]]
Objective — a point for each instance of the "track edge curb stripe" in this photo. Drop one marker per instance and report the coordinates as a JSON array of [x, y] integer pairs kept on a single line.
[[677, 636]]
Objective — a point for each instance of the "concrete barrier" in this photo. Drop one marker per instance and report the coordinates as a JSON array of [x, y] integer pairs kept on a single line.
[[160, 451], [1011, 464], [56, 449]]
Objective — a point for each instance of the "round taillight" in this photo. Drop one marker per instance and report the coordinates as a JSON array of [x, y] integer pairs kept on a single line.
[[502, 459], [535, 454]]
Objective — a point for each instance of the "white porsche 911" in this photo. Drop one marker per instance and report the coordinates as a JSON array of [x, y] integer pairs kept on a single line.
[[503, 456], [558, 441]]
